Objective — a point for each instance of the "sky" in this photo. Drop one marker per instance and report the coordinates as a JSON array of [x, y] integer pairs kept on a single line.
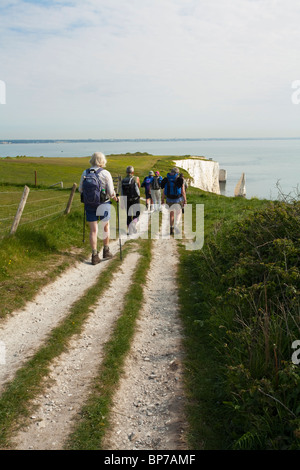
[[149, 69]]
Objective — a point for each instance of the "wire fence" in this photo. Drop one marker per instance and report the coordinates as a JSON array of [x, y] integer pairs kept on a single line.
[[42, 205]]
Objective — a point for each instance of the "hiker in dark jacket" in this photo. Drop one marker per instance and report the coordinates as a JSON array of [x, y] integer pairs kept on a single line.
[[174, 193], [147, 185], [131, 190], [155, 186]]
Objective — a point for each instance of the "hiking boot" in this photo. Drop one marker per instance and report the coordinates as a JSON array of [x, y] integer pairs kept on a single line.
[[106, 253], [95, 258]]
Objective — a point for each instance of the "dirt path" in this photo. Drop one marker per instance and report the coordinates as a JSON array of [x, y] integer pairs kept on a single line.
[[148, 411], [72, 372], [23, 332]]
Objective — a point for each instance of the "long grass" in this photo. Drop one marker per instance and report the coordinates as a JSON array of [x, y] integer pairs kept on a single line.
[[246, 299]]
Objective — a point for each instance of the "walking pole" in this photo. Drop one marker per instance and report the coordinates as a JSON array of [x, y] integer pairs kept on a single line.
[[118, 213], [83, 240]]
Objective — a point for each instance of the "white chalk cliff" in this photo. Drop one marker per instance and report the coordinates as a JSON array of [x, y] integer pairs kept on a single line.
[[204, 173]]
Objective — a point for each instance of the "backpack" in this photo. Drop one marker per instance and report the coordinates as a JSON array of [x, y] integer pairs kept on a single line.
[[147, 181], [93, 191], [155, 182], [130, 188], [172, 188]]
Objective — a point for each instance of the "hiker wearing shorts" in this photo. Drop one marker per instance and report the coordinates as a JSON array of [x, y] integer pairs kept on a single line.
[[147, 185], [131, 190], [155, 186], [174, 193], [103, 211]]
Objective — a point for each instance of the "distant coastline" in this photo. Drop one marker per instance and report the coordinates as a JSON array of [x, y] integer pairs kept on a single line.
[[200, 139]]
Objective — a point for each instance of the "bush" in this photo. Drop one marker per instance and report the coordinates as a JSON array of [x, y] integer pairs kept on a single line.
[[250, 273]]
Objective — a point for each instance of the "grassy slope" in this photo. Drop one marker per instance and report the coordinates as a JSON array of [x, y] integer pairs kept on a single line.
[[21, 170]]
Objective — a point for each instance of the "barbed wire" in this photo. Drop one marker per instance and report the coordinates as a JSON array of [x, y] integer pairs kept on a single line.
[[7, 218], [33, 190], [40, 218], [42, 209], [61, 197]]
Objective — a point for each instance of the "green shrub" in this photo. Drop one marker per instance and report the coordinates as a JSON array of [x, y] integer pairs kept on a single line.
[[249, 275]]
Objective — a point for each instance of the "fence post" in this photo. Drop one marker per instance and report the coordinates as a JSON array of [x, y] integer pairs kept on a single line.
[[68, 208], [20, 210]]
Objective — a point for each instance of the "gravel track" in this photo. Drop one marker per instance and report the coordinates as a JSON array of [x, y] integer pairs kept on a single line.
[[148, 411], [72, 372], [23, 332]]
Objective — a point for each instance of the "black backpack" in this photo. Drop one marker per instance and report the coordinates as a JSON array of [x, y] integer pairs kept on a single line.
[[93, 193], [130, 188], [155, 183]]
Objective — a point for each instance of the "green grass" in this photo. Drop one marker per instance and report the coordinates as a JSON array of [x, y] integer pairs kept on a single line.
[[203, 370], [21, 171], [240, 309], [35, 255]]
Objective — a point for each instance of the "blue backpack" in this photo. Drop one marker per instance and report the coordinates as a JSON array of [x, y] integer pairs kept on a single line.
[[172, 189], [93, 192], [147, 181]]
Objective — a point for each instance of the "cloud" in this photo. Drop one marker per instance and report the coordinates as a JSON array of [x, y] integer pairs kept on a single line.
[[168, 64]]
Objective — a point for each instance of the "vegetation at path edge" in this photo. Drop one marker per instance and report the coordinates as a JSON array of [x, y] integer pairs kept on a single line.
[[241, 309]]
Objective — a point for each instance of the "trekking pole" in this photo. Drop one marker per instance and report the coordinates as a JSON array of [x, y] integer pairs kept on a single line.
[[118, 214], [83, 237]]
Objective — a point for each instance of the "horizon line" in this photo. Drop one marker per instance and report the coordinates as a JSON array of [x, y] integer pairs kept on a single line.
[[143, 139]]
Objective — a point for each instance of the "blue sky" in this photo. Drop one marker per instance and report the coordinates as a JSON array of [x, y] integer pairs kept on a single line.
[[149, 68]]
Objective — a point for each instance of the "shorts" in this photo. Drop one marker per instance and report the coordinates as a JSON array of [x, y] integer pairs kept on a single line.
[[170, 202], [104, 211], [147, 195]]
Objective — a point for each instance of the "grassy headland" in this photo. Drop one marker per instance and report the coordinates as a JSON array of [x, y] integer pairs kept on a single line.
[[239, 300]]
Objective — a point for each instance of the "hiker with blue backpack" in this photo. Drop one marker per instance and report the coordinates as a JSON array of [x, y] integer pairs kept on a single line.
[[147, 185], [175, 195], [97, 188]]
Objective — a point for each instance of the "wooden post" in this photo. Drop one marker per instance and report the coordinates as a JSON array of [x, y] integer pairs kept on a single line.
[[35, 177], [20, 210], [68, 208]]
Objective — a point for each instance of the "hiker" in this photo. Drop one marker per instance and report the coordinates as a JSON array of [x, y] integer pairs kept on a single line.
[[131, 190], [97, 202], [155, 187], [174, 192], [146, 184]]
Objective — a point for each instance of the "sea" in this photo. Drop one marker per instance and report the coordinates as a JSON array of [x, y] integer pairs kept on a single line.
[[271, 165]]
